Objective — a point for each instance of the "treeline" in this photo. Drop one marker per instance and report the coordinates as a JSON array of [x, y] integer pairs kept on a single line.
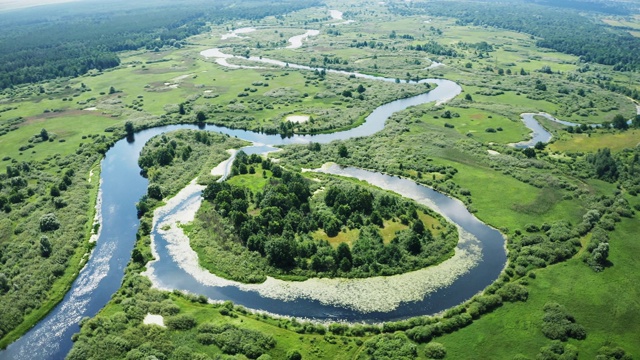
[[602, 6], [434, 48], [36, 46], [562, 30]]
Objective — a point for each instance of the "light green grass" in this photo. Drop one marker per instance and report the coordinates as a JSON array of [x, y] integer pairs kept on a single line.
[[476, 122], [505, 202], [69, 128], [309, 346], [254, 182], [592, 142], [604, 303], [388, 232]]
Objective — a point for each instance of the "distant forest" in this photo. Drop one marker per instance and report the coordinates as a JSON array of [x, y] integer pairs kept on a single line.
[[68, 40], [561, 30], [602, 6]]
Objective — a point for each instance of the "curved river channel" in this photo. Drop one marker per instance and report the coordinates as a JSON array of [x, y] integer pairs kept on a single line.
[[122, 186]]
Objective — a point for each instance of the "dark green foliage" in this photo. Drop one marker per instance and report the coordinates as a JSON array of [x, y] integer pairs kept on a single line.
[[389, 346], [54, 191], [558, 324], [613, 353], [180, 322], [529, 152], [233, 340], [4, 283], [281, 252], [49, 222], [558, 351], [137, 257], [45, 246], [154, 192], [513, 292], [604, 165], [619, 122], [435, 350], [142, 206], [434, 48], [128, 128], [294, 355], [540, 146], [343, 151]]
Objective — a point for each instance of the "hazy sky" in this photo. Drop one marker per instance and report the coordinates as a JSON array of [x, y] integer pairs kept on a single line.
[[16, 4]]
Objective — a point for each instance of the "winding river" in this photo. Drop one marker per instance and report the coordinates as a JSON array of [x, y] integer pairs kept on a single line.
[[481, 248]]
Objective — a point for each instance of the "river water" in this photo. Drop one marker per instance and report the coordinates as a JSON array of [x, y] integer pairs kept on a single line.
[[122, 186]]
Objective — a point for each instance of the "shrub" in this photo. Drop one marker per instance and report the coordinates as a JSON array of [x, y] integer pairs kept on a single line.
[[49, 222], [294, 355], [435, 350], [558, 324], [513, 292], [531, 228], [181, 322]]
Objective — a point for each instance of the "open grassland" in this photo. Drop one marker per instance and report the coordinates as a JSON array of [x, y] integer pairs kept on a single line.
[[349, 236], [505, 202], [66, 132], [592, 142], [604, 303], [485, 126]]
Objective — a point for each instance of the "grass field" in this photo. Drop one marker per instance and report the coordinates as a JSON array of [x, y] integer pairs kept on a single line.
[[604, 303], [67, 132], [592, 142], [518, 204], [476, 122]]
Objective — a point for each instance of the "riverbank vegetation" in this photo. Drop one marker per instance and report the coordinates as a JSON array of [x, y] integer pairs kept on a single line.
[[568, 208], [48, 193]]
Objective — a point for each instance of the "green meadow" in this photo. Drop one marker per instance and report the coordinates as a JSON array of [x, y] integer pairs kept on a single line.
[[460, 148]]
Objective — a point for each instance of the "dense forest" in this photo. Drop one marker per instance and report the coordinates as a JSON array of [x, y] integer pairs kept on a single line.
[[601, 6], [562, 30], [37, 47], [274, 228]]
